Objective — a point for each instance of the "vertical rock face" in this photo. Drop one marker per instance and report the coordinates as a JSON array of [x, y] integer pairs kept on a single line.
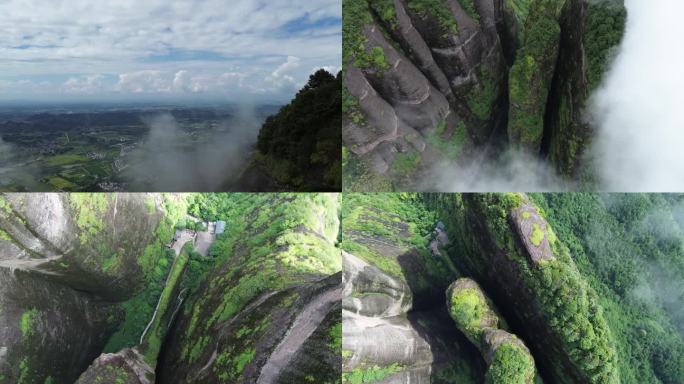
[[434, 80], [590, 34], [269, 311], [90, 242], [48, 330], [531, 74], [505, 244], [66, 260]]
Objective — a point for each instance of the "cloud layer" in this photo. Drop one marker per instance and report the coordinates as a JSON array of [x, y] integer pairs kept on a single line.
[[639, 108], [178, 47]]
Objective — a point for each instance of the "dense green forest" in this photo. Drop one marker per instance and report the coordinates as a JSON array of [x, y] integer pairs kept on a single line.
[[592, 284], [300, 145]]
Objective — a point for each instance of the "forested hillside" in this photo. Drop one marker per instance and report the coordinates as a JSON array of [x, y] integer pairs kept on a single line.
[[299, 147], [590, 285]]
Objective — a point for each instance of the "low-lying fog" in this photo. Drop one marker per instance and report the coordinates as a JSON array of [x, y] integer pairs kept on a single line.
[[164, 161]]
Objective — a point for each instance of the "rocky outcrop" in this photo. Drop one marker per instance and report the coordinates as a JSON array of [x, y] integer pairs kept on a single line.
[[48, 330], [396, 325], [508, 358], [269, 311], [384, 341], [515, 256], [590, 34], [440, 80], [125, 367], [67, 260], [266, 310], [89, 242]]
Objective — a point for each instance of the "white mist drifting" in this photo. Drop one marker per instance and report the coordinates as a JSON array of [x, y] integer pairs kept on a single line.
[[165, 161], [512, 171], [639, 110]]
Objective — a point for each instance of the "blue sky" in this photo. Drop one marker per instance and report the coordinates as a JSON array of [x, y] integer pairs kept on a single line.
[[164, 49]]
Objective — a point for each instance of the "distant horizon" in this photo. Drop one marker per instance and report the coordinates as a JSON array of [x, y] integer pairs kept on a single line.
[[178, 51], [28, 104]]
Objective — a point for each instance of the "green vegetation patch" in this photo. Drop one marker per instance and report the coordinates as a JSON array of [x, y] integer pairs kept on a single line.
[[370, 375], [451, 147], [89, 209], [5, 207], [24, 371], [153, 339], [510, 364], [355, 15], [469, 7], [299, 146], [67, 158], [468, 308], [28, 322], [537, 235], [385, 11], [232, 369], [405, 163], [61, 184], [605, 26], [5, 236], [615, 240], [438, 9], [531, 74], [482, 99]]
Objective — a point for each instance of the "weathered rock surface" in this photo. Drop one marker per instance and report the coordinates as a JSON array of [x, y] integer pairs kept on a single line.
[[48, 330], [269, 312], [66, 260], [384, 340], [440, 80], [541, 294], [509, 359], [125, 367], [533, 232], [88, 242]]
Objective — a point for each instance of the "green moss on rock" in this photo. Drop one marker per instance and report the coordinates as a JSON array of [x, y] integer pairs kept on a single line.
[[482, 99], [531, 74], [370, 375], [469, 308], [28, 321], [89, 208], [438, 9], [511, 364]]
